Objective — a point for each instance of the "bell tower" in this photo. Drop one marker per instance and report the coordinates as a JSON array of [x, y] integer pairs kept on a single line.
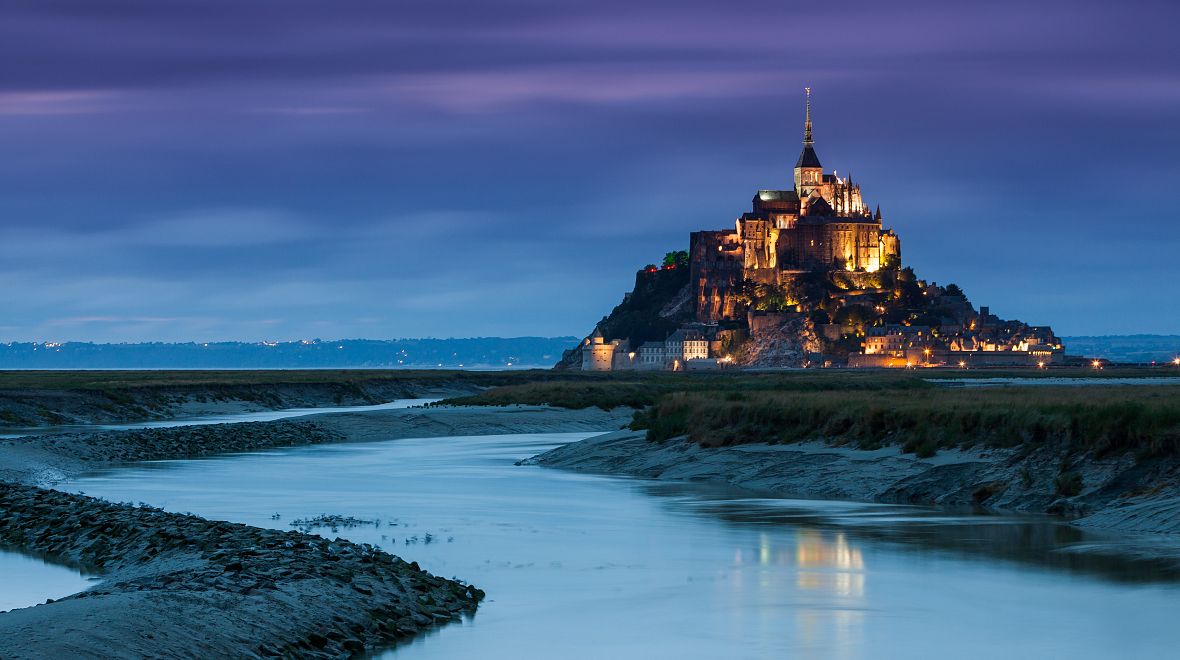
[[809, 174]]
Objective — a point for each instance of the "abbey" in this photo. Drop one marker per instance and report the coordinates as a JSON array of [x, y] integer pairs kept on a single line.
[[821, 223], [808, 276]]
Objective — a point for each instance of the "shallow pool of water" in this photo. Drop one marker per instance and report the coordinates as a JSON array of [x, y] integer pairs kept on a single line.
[[26, 581], [580, 566]]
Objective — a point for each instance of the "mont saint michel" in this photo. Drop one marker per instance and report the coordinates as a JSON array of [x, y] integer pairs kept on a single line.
[[811, 275], [312, 346]]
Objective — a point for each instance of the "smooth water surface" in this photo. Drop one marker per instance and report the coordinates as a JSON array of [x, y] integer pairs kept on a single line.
[[26, 581], [227, 418], [580, 566]]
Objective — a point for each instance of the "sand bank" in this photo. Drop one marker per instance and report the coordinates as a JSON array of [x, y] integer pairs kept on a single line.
[[178, 585]]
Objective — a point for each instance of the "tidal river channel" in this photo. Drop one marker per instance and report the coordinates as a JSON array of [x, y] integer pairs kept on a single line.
[[580, 566]]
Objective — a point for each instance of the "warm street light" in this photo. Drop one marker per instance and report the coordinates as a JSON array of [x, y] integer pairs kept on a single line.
[[1097, 364], [1041, 365], [962, 364]]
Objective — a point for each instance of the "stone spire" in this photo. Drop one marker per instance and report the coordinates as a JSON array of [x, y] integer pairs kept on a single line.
[[808, 159], [807, 141]]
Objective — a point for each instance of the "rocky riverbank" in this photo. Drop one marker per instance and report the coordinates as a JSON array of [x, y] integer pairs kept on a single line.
[[181, 585], [1118, 492]]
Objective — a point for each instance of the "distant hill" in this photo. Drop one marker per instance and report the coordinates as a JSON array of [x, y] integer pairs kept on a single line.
[[472, 353], [1126, 348]]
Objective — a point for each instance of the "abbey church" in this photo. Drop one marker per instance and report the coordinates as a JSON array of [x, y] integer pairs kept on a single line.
[[822, 223], [809, 276]]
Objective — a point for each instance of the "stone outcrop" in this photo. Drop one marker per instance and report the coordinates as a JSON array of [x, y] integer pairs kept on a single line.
[[660, 302]]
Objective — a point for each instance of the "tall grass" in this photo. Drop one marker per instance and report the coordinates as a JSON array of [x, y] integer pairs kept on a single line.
[[1145, 420], [642, 390]]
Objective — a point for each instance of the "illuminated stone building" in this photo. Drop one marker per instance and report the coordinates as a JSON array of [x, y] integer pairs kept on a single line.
[[808, 276], [821, 223], [598, 354]]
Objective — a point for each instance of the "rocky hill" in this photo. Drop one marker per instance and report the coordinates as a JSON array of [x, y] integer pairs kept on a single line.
[[660, 302]]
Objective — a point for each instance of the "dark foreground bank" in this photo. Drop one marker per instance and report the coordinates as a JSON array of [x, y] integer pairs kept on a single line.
[[181, 585]]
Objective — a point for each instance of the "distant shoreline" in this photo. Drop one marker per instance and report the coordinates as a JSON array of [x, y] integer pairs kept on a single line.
[[482, 353]]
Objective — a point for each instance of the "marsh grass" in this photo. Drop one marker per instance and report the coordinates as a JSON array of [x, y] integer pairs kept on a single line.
[[643, 390], [1103, 420]]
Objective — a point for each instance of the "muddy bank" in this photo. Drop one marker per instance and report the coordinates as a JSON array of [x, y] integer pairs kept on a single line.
[[46, 459], [49, 458], [1116, 492], [36, 407], [181, 585]]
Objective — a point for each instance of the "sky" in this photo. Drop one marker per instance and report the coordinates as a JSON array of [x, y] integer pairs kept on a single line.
[[284, 169]]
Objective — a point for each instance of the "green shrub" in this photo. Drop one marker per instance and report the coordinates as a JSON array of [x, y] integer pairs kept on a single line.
[[1068, 484]]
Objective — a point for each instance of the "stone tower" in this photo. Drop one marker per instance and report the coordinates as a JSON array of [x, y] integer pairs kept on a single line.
[[809, 174]]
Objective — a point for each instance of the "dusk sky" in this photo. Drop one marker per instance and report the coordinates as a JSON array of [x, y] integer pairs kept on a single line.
[[287, 169]]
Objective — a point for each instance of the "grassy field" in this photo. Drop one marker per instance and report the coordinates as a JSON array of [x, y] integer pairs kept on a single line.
[[642, 389], [639, 390], [874, 408], [533, 383], [1143, 419]]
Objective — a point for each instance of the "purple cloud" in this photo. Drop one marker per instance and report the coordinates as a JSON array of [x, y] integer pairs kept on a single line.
[[301, 168]]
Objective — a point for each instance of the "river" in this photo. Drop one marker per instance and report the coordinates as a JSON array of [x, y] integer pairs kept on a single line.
[[583, 566]]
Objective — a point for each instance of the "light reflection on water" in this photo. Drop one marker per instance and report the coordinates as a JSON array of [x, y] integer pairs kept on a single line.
[[587, 567]]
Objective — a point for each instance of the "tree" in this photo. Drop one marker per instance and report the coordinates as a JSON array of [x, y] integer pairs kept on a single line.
[[819, 317], [953, 290], [676, 259]]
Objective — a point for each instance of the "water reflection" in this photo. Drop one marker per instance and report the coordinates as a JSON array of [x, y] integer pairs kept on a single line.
[[829, 565], [605, 567], [27, 580], [822, 574], [1036, 540]]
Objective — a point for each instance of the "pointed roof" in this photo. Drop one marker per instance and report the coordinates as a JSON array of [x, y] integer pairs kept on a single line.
[[819, 207], [808, 157]]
